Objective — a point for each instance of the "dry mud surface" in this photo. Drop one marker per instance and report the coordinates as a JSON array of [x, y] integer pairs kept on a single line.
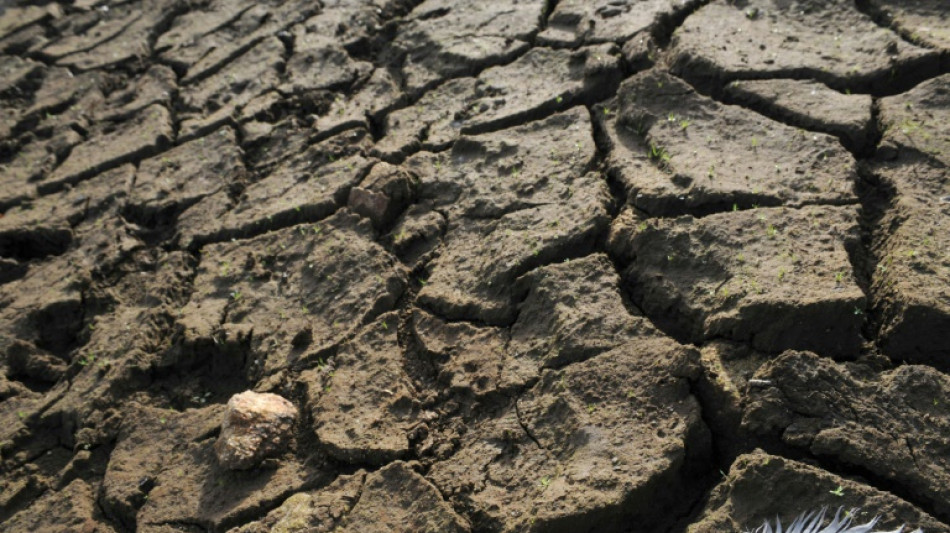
[[524, 265]]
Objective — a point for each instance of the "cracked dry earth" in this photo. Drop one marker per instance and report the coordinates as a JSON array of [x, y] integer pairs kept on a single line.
[[523, 265]]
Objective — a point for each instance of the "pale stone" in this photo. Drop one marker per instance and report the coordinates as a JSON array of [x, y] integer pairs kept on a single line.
[[256, 426]]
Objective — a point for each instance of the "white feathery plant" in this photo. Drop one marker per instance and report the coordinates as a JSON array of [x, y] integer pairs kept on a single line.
[[812, 523]]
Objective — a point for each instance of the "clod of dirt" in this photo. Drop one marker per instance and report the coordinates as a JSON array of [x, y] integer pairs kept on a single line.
[[76, 37], [15, 18], [289, 296], [235, 27], [573, 311], [472, 361], [45, 307], [472, 278], [922, 21], [319, 511], [429, 124], [601, 443], [810, 105], [369, 98], [140, 136], [832, 42], [762, 276], [256, 426], [570, 312], [919, 120], [892, 425], [675, 151], [163, 472], [34, 159], [364, 408], [30, 36], [320, 62], [910, 282], [180, 177], [910, 286], [443, 39], [727, 368], [61, 89], [393, 498], [573, 23], [539, 82], [760, 487], [504, 194], [130, 41], [383, 194], [416, 235], [212, 101], [116, 350], [72, 508], [44, 226], [15, 70], [155, 86], [308, 186], [182, 43], [396, 498]]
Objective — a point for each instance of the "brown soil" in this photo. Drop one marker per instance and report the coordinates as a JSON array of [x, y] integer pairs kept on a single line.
[[527, 265]]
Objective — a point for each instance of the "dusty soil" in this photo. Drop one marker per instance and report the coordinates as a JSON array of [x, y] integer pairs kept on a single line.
[[527, 265]]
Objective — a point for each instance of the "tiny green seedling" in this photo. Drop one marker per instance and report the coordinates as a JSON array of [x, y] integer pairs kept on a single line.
[[545, 482], [838, 491], [659, 154]]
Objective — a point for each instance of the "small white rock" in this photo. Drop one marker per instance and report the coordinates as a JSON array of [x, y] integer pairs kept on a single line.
[[256, 426]]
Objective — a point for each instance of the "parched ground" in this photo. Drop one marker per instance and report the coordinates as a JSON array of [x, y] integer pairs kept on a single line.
[[522, 266]]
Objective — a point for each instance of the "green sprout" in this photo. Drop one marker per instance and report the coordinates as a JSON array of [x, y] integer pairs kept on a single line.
[[659, 154]]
